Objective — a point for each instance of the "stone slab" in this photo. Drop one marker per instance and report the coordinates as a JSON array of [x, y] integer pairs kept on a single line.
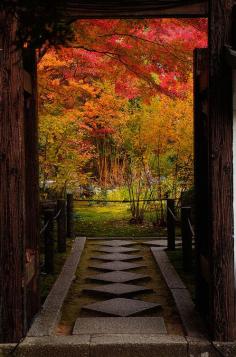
[[121, 307], [107, 249], [171, 277], [118, 277], [46, 321], [117, 289], [117, 265], [59, 346], [118, 243], [120, 325], [117, 256], [105, 345], [191, 321]]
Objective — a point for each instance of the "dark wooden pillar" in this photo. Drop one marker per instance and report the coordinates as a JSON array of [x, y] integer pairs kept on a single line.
[[12, 183], [32, 184], [222, 299], [201, 179]]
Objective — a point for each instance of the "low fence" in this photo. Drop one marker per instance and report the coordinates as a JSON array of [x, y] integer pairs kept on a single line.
[[187, 232], [58, 223]]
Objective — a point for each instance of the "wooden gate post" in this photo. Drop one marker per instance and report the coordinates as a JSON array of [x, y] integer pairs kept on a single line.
[[170, 224], [49, 241], [222, 290], [61, 226], [12, 183], [186, 238], [70, 221]]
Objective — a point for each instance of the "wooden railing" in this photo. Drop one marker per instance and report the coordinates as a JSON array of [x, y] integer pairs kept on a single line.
[[187, 232], [58, 222]]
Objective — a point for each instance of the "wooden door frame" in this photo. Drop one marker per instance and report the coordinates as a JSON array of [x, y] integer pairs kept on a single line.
[[13, 227]]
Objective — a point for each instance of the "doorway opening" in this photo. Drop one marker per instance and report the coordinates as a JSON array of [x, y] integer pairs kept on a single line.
[[116, 130]]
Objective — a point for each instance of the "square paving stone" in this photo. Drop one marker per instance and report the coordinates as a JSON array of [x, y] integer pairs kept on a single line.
[[117, 256], [116, 249], [121, 307], [118, 276], [118, 243], [119, 325], [117, 265], [117, 289]]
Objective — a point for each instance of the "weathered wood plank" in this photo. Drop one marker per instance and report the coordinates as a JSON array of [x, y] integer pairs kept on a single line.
[[221, 174]]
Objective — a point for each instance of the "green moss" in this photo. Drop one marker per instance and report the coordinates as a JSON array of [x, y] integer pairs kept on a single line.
[[47, 280], [112, 220], [176, 259]]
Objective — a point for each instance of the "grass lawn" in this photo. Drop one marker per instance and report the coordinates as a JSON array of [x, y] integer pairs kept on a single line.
[[112, 220]]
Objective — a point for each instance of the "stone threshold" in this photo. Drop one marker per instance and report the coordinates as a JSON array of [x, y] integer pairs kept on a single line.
[[46, 320], [116, 345]]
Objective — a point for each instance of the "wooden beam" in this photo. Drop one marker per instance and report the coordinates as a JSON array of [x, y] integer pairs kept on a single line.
[[150, 9], [222, 292], [12, 183]]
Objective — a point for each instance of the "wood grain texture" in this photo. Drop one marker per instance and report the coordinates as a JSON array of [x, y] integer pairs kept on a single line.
[[221, 174], [12, 184], [133, 9]]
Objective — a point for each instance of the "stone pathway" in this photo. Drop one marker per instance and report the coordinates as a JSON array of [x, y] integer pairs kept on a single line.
[[118, 306], [122, 282]]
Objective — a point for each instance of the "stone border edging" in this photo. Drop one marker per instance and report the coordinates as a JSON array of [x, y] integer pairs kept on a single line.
[[192, 322], [116, 345], [46, 320]]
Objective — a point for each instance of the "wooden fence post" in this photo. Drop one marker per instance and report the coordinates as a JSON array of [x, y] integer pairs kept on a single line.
[[70, 228], [186, 238], [61, 226], [170, 224], [49, 241]]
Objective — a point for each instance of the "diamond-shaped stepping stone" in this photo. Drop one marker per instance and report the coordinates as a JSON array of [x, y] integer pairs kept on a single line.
[[118, 277], [117, 265], [118, 243], [117, 256], [121, 307], [117, 249], [119, 325], [117, 289]]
